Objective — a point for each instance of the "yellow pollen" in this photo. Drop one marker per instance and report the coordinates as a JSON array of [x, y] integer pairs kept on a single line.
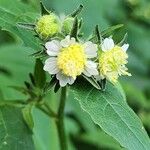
[[112, 64], [71, 60]]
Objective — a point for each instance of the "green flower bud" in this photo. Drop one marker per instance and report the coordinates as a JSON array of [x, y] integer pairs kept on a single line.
[[48, 26], [67, 25]]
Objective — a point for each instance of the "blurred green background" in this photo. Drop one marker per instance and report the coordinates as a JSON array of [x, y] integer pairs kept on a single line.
[[15, 64]]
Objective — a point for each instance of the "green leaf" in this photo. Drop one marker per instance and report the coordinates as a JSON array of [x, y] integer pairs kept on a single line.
[[39, 74], [10, 17], [1, 96], [14, 133], [78, 11], [109, 30], [44, 11], [16, 60], [109, 110], [45, 132], [99, 139], [27, 115], [121, 90]]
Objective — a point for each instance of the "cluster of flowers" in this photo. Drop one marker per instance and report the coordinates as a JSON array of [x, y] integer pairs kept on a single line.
[[70, 58]]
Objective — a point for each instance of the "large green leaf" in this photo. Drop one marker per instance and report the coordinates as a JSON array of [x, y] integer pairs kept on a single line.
[[99, 139], [15, 59], [14, 133], [113, 115], [13, 12], [45, 133]]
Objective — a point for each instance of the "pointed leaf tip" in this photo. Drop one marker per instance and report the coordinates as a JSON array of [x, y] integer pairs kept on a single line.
[[77, 11], [44, 10]]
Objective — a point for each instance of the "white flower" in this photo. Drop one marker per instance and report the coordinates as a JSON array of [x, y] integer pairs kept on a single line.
[[113, 60], [108, 44], [69, 59]]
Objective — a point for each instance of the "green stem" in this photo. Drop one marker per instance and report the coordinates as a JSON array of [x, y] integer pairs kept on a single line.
[[60, 121], [47, 110], [52, 113]]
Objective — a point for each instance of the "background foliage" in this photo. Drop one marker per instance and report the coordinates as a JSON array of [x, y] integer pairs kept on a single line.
[[16, 64]]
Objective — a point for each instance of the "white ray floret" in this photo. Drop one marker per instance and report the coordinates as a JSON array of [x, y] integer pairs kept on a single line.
[[69, 59]]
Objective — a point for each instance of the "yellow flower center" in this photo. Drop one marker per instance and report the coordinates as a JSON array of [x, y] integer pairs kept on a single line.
[[71, 60], [112, 63]]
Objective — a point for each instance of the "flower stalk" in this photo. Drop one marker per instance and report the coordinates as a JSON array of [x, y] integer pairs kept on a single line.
[[60, 120]]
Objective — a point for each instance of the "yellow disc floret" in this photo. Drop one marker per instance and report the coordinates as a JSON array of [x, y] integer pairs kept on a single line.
[[47, 26], [112, 64], [71, 60]]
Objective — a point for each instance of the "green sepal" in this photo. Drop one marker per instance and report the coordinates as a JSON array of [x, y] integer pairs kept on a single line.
[[92, 81], [103, 84], [80, 23], [28, 85], [39, 54], [39, 74], [32, 79], [28, 26], [109, 30], [105, 33], [20, 89], [74, 31], [98, 35], [50, 84], [57, 87], [25, 90], [123, 40], [77, 11]]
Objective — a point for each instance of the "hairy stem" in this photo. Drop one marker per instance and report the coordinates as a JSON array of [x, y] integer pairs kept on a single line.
[[60, 121]]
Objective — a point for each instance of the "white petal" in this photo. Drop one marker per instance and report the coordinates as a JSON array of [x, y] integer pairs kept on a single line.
[[71, 80], [63, 79], [108, 44], [53, 47], [125, 47], [91, 69], [67, 41], [51, 65], [90, 49]]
